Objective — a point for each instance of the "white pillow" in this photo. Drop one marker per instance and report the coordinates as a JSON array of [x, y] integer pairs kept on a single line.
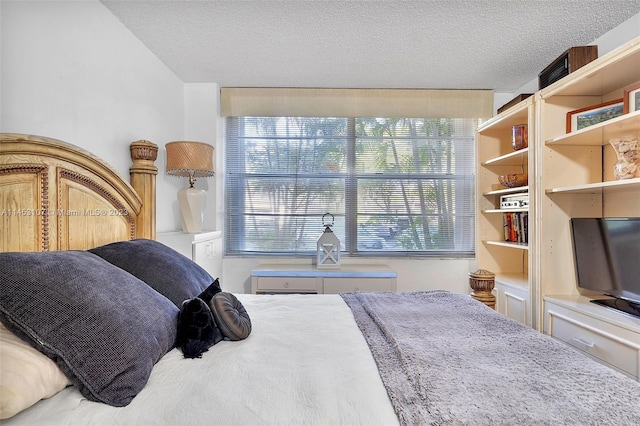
[[26, 375]]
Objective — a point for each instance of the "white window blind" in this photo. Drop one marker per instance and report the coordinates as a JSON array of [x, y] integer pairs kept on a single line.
[[282, 174], [414, 185], [396, 186]]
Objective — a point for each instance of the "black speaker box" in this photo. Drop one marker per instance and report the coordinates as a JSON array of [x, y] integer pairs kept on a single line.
[[565, 64]]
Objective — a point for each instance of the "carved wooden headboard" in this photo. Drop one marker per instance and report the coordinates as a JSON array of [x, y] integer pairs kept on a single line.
[[56, 196]]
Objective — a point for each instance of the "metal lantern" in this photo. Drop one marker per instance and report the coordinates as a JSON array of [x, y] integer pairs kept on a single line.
[[328, 247]]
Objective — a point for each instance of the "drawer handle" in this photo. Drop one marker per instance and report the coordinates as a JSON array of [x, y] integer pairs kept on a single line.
[[584, 342], [286, 285]]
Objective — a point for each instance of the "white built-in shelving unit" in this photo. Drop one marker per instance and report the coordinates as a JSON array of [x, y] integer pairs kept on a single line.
[[570, 175]]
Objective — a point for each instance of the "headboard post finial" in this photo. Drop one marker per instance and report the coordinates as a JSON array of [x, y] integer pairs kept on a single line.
[[143, 150], [143, 173]]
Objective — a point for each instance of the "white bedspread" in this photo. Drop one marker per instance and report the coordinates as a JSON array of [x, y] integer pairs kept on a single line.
[[305, 363]]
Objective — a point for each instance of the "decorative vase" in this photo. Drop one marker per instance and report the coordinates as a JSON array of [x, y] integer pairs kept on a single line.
[[519, 137], [626, 149]]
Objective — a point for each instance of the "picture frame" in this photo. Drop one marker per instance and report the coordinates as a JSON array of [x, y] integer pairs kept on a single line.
[[631, 99], [594, 114]]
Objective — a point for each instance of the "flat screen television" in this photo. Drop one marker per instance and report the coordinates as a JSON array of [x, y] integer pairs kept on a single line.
[[607, 259]]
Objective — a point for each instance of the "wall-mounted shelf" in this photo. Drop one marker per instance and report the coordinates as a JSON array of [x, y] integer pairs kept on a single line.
[[599, 134], [505, 210], [625, 185], [602, 76], [507, 190], [515, 158], [519, 246]]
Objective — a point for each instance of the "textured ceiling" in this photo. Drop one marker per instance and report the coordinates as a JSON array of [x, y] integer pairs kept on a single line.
[[470, 44]]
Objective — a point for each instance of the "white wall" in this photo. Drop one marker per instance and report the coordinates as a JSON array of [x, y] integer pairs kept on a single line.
[[201, 124], [72, 71]]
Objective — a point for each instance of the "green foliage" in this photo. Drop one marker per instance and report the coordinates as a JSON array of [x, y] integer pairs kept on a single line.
[[297, 169]]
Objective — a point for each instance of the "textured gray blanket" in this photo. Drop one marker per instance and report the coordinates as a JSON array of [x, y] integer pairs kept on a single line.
[[448, 359]]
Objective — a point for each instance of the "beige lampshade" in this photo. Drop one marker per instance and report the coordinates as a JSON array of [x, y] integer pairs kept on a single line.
[[186, 158]]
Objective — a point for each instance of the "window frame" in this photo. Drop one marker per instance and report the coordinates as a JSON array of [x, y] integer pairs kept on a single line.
[[351, 178]]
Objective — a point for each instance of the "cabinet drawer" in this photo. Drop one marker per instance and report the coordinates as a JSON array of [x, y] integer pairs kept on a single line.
[[337, 285], [285, 284], [613, 350]]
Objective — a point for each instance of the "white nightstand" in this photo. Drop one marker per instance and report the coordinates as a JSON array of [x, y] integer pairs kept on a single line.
[[204, 248]]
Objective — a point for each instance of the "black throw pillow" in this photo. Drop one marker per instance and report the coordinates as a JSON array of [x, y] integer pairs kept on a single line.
[[210, 291], [210, 317], [197, 330]]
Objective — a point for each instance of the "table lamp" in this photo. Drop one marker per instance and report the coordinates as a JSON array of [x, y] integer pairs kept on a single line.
[[191, 159]]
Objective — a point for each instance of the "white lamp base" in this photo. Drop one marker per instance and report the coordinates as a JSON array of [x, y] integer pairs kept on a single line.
[[192, 202]]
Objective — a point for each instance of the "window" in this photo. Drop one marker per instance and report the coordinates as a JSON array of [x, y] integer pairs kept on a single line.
[[396, 186]]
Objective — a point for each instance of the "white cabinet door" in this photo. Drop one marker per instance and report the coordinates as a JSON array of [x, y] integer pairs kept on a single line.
[[513, 302], [208, 254]]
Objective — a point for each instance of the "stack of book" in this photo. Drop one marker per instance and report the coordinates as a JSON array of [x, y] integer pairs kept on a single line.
[[516, 227]]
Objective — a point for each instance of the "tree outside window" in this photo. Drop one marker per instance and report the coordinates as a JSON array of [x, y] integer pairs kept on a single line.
[[395, 185]]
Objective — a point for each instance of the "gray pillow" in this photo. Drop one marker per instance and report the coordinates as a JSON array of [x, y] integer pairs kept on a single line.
[[170, 273], [102, 326]]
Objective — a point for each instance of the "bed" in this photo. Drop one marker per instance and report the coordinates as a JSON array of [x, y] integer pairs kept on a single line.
[[90, 302]]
